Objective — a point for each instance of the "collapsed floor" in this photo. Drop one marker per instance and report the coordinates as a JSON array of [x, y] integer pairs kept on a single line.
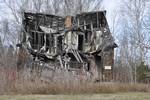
[[81, 44]]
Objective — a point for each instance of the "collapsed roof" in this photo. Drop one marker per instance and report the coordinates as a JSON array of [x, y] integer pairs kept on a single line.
[[87, 32]]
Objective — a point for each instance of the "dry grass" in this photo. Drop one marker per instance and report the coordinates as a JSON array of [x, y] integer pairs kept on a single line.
[[24, 86], [37, 87]]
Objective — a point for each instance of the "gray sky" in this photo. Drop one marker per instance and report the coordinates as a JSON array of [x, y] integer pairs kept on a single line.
[[109, 5]]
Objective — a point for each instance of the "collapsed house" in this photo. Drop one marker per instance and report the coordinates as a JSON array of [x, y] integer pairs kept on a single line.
[[80, 44]]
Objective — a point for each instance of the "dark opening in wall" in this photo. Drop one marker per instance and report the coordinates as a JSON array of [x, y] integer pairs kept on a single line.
[[80, 42], [87, 36], [59, 45]]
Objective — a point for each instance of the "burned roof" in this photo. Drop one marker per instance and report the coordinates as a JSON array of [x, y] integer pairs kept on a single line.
[[93, 25]]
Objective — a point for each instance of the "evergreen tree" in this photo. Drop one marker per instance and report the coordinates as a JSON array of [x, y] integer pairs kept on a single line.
[[142, 69]]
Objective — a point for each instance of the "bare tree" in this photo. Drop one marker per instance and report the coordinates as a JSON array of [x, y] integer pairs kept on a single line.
[[133, 33]]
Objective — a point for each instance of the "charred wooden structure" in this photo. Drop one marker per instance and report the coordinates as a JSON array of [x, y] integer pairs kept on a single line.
[[81, 44]]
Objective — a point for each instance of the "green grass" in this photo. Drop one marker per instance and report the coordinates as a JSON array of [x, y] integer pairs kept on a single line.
[[117, 96]]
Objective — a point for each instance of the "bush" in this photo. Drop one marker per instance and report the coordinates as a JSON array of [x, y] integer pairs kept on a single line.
[[142, 69]]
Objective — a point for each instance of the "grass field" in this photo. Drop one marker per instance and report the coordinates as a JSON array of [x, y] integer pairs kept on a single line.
[[117, 96]]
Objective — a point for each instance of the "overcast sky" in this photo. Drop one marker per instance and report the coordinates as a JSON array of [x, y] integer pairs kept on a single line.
[[109, 5]]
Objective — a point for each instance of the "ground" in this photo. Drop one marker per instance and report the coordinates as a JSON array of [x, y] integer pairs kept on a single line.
[[117, 96]]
